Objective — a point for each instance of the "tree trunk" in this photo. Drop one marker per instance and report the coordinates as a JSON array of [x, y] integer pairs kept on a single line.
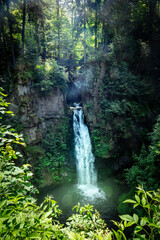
[[152, 6], [3, 38], [23, 25], [44, 45], [96, 23], [85, 58], [37, 36], [6, 51], [11, 34], [72, 22], [58, 18], [103, 24]]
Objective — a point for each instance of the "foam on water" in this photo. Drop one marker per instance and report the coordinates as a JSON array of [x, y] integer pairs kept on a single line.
[[91, 191]]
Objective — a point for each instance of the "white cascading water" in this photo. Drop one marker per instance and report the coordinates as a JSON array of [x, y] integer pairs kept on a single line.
[[87, 175]]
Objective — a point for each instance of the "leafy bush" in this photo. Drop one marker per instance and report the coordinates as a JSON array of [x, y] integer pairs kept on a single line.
[[87, 223], [146, 226], [22, 219]]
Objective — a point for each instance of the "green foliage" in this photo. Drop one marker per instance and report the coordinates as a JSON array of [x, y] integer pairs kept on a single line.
[[145, 168], [87, 223], [155, 140], [7, 133], [35, 150], [14, 180], [148, 225], [25, 75], [125, 208], [31, 50], [55, 147], [100, 143], [56, 139], [122, 107], [142, 170], [49, 74], [22, 219]]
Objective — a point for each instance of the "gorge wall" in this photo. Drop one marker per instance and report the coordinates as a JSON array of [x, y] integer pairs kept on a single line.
[[45, 121], [37, 111], [118, 108]]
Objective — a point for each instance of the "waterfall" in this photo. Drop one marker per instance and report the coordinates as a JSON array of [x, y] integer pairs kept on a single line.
[[87, 176]]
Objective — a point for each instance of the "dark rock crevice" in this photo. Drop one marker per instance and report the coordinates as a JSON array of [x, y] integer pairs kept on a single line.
[[73, 95]]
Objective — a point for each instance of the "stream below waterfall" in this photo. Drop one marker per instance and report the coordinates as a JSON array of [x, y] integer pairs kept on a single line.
[[103, 195]]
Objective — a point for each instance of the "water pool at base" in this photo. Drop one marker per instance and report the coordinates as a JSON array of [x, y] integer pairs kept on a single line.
[[104, 198]]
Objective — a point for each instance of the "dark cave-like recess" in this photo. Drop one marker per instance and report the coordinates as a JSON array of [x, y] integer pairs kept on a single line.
[[73, 95]]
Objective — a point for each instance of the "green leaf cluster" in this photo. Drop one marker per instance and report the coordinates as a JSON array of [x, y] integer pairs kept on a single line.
[[24, 219], [87, 223], [146, 226]]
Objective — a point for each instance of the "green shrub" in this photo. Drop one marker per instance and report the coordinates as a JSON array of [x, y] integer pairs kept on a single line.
[[87, 223], [146, 226], [22, 219]]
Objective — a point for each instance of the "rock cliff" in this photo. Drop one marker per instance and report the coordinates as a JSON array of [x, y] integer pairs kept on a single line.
[[45, 123], [37, 111], [117, 119]]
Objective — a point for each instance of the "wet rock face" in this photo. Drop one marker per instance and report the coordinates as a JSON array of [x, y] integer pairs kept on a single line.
[[36, 111]]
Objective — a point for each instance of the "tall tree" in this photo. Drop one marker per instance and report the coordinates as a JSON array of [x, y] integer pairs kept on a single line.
[[23, 25], [58, 27], [11, 33], [85, 58], [97, 12], [3, 39]]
